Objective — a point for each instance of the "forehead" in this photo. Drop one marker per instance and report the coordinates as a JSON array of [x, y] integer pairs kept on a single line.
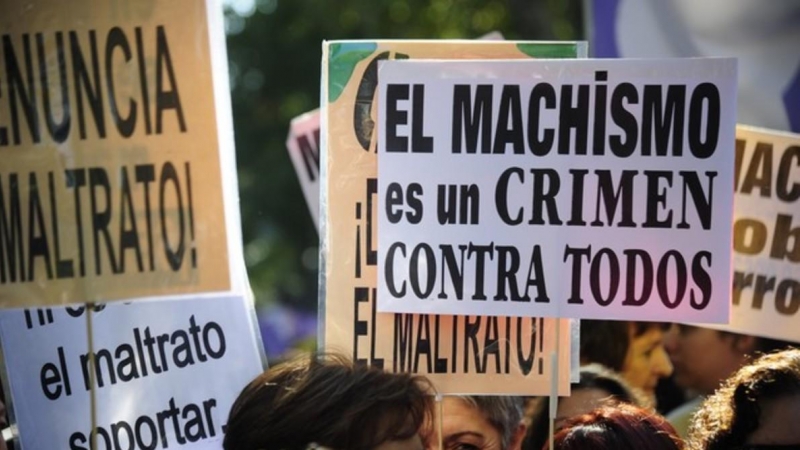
[[651, 335], [460, 415]]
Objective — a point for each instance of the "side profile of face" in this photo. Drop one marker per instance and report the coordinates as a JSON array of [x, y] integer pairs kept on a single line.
[[774, 422], [465, 427], [646, 360], [580, 401], [702, 357]]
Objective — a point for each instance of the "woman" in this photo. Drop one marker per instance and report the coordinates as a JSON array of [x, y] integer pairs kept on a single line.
[[597, 386], [329, 402], [635, 350], [618, 427]]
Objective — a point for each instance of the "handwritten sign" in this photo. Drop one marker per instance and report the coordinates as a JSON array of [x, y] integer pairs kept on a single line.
[[118, 177], [460, 355]]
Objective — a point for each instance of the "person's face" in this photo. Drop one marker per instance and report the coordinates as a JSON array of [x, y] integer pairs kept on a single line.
[[702, 357], [580, 401], [775, 421], [646, 361], [464, 427]]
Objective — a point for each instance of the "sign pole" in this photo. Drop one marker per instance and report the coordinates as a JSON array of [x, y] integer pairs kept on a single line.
[[92, 392], [554, 357]]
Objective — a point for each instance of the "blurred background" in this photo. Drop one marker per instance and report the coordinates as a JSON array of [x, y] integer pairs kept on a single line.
[[274, 52]]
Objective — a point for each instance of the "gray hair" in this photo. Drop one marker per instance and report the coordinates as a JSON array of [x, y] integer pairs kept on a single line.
[[503, 412]]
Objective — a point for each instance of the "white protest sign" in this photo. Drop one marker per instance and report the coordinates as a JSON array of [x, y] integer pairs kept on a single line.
[[166, 373], [303, 146], [584, 189], [766, 235]]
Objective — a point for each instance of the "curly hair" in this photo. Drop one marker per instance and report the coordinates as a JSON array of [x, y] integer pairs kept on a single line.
[[329, 401], [618, 427], [729, 416]]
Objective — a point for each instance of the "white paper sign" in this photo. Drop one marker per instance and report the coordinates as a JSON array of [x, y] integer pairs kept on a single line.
[[303, 146], [166, 372], [766, 235], [584, 189]]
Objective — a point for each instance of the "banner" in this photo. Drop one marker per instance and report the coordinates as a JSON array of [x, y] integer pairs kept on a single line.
[[303, 146], [460, 355], [584, 189], [762, 35], [166, 373], [118, 177], [766, 235]]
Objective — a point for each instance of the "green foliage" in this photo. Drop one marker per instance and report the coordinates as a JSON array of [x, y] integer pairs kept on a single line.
[[274, 51]]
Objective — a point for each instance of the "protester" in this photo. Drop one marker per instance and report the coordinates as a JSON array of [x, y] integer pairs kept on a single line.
[[597, 386], [633, 349], [703, 358], [758, 407], [617, 427], [328, 401], [477, 422]]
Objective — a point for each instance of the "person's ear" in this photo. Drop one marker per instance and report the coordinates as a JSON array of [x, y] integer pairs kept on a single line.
[[519, 436]]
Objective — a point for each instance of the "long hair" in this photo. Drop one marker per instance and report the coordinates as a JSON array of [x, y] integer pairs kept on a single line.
[[728, 417], [618, 427], [328, 401]]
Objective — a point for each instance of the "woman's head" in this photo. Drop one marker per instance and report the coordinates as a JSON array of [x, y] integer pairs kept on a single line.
[[618, 427], [482, 422], [756, 406], [328, 401], [633, 349], [597, 386]]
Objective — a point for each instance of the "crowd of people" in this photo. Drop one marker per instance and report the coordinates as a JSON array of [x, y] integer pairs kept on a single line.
[[744, 394]]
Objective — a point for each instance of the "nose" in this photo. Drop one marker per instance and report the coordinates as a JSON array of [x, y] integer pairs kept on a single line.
[[662, 366]]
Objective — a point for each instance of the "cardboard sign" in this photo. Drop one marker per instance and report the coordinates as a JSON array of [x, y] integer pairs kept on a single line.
[[303, 146], [586, 189], [118, 177], [165, 373], [763, 37], [460, 355], [766, 235]]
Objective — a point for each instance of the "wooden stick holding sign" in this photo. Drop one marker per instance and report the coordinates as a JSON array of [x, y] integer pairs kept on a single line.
[[92, 385]]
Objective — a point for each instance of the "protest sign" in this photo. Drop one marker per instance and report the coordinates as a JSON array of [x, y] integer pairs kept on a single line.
[[303, 146], [766, 235], [118, 177], [586, 189], [165, 373], [461, 355]]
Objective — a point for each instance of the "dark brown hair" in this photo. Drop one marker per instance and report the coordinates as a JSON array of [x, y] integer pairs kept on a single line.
[[606, 341], [618, 427], [728, 417], [593, 376], [329, 401]]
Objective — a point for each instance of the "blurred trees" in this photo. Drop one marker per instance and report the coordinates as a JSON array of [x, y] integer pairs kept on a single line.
[[274, 51]]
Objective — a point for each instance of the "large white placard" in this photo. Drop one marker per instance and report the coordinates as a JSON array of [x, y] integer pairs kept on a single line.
[[766, 235], [166, 373], [584, 189]]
